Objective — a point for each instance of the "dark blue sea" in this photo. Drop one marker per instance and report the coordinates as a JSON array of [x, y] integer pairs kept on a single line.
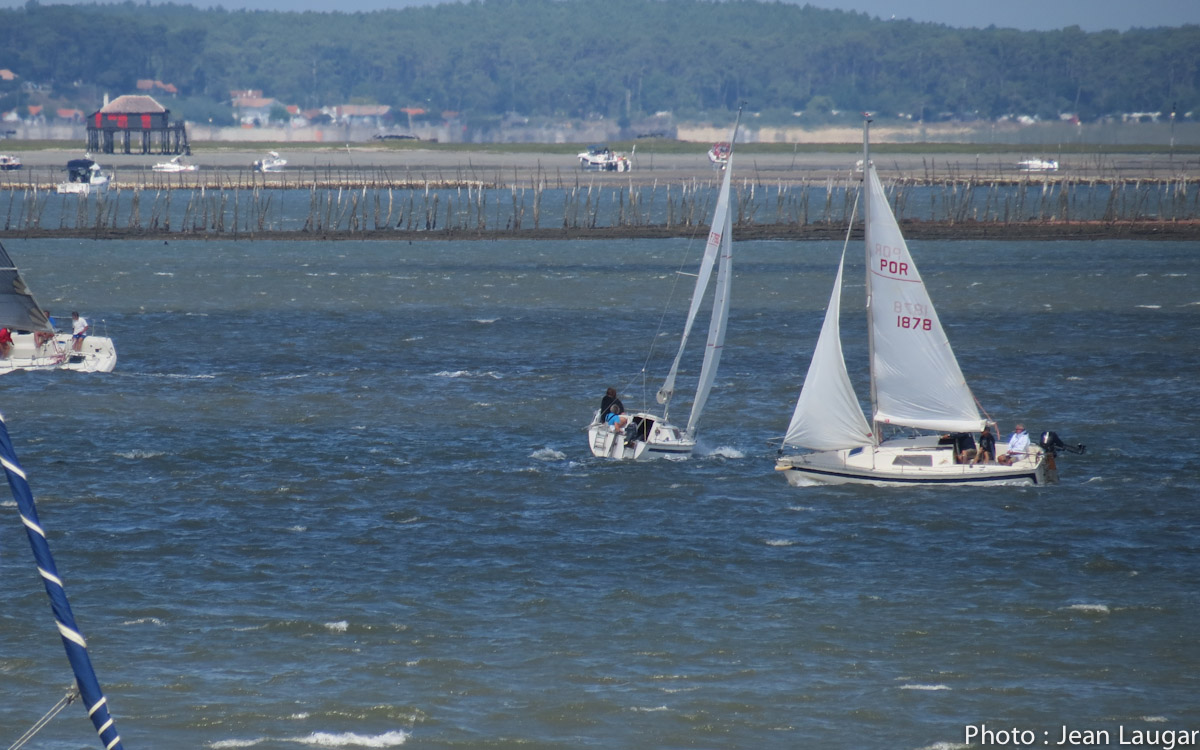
[[339, 495]]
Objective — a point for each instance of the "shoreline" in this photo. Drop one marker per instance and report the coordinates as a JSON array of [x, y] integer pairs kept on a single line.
[[1173, 231]]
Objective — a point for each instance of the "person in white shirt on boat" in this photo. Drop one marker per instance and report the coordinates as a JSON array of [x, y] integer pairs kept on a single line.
[[79, 329], [1018, 445]]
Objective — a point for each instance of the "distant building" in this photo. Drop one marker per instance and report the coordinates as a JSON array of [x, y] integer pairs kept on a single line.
[[370, 115], [132, 114]]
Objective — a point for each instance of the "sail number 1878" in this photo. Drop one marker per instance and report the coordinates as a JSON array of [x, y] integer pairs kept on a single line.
[[917, 324]]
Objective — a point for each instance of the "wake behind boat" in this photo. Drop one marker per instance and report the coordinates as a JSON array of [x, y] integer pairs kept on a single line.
[[915, 380], [644, 434], [35, 343]]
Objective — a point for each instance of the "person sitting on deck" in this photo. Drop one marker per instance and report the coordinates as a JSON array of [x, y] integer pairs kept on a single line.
[[40, 338], [1018, 445], [615, 419], [964, 446], [6, 343], [987, 446]]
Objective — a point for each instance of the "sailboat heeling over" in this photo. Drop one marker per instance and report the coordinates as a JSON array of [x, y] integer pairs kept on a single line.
[[718, 245], [73, 640], [18, 309], [917, 380]]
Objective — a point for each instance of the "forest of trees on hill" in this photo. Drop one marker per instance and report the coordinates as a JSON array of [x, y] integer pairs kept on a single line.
[[622, 59]]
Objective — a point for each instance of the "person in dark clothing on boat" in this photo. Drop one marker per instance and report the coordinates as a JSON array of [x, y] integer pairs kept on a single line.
[[987, 446], [610, 398], [964, 445]]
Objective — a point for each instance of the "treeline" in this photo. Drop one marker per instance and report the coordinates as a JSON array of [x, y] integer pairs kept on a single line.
[[621, 59]]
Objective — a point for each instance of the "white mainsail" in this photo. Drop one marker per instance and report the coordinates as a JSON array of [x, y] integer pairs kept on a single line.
[[828, 415], [915, 376], [720, 314], [719, 246]]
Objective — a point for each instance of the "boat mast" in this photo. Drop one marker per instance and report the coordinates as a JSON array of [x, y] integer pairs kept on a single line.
[[866, 188], [77, 654]]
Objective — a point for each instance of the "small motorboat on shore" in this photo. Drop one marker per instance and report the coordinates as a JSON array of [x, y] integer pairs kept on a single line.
[[1038, 165], [272, 162], [176, 164], [84, 176], [719, 154], [601, 158], [8, 161]]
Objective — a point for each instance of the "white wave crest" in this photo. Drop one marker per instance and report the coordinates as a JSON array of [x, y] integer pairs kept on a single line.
[[350, 739], [780, 543], [138, 454], [341, 626], [726, 451], [548, 454], [1094, 609], [485, 321], [324, 739], [924, 687], [466, 374]]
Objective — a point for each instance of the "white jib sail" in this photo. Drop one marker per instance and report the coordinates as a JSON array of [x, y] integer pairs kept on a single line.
[[828, 415], [917, 379], [716, 233]]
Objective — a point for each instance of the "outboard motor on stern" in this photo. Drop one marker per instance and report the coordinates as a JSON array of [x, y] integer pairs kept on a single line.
[[1051, 443]]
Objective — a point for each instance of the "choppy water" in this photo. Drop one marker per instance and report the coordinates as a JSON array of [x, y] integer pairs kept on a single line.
[[339, 495]]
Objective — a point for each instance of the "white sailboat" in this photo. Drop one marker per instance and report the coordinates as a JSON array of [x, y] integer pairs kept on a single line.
[[916, 383], [648, 435], [35, 343]]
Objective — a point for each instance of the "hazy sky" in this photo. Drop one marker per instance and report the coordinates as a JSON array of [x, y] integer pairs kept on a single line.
[[1090, 15]]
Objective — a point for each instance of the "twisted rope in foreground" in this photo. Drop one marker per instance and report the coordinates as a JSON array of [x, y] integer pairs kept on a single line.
[[41, 723]]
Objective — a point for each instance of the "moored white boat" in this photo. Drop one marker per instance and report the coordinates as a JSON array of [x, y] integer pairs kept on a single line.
[[8, 161], [272, 162], [646, 435], [1038, 165], [84, 177], [719, 154], [602, 158], [175, 164], [916, 383]]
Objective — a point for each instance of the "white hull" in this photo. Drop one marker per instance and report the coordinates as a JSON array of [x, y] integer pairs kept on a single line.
[[81, 188], [906, 461], [97, 354], [645, 437]]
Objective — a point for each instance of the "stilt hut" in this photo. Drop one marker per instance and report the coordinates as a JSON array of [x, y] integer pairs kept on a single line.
[[135, 118]]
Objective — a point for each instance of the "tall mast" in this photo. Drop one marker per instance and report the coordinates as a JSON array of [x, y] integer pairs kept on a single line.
[[77, 654], [867, 169]]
